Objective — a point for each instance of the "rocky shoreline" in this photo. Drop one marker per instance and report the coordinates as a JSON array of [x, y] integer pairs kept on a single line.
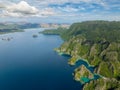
[[82, 74]]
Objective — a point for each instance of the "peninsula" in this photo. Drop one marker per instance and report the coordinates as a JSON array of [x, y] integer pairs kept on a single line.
[[97, 43]]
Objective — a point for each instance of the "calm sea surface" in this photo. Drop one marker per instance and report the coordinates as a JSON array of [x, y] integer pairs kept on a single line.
[[28, 63]]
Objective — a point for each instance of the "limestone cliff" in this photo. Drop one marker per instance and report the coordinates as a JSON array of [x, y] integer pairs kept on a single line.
[[83, 75], [98, 43], [103, 55]]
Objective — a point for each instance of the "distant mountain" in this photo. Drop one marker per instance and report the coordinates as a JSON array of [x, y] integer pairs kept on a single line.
[[7, 27], [16, 27], [54, 25]]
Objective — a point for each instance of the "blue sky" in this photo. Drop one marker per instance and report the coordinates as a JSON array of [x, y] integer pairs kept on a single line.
[[59, 11]]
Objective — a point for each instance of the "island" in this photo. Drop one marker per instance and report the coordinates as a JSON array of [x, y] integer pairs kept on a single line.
[[7, 39], [35, 35], [16, 27], [98, 44], [10, 27]]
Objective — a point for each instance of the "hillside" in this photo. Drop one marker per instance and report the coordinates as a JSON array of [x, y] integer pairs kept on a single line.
[[98, 42], [58, 31], [95, 30]]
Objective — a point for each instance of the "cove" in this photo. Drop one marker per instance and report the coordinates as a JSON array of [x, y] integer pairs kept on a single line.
[[86, 64], [28, 63], [90, 68]]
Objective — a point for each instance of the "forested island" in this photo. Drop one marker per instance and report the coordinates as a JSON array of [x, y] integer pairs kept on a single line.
[[9, 27], [16, 27], [97, 43]]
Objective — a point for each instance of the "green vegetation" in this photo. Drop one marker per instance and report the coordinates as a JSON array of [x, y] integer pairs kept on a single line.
[[102, 84], [9, 28], [98, 42], [12, 27], [83, 75], [58, 31], [95, 30]]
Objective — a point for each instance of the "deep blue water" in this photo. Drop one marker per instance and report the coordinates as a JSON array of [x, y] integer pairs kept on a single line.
[[28, 63], [82, 62]]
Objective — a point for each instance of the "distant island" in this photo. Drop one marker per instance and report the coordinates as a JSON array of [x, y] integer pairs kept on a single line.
[[16, 27], [35, 35], [98, 44], [10, 27]]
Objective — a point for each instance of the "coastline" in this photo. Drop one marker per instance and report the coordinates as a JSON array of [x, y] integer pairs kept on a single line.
[[95, 75], [78, 59]]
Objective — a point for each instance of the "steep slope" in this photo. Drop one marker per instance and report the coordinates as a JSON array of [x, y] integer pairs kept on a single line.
[[97, 42]]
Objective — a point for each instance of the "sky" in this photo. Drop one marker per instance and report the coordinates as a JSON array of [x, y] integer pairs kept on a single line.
[[59, 11]]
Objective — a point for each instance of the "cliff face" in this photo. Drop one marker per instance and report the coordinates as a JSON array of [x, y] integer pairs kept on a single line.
[[103, 55], [98, 43], [83, 75], [103, 84]]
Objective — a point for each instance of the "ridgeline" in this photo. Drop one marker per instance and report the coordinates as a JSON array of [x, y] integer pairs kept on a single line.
[[97, 42]]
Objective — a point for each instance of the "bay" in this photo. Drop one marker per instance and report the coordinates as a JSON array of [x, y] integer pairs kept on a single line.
[[28, 63]]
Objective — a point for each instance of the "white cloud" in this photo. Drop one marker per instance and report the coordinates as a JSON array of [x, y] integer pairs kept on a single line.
[[67, 9], [20, 9], [4, 4], [23, 9], [47, 12]]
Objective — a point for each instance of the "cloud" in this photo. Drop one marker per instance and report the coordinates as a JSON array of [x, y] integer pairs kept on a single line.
[[73, 5], [4, 4], [68, 9], [48, 2], [47, 12], [58, 9], [23, 9], [50, 7], [20, 9]]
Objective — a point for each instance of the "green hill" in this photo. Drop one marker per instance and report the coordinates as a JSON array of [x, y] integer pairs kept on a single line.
[[95, 30], [98, 42]]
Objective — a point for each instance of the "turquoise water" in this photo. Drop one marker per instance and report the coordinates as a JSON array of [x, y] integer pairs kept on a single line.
[[90, 68], [85, 79], [28, 63], [86, 64]]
